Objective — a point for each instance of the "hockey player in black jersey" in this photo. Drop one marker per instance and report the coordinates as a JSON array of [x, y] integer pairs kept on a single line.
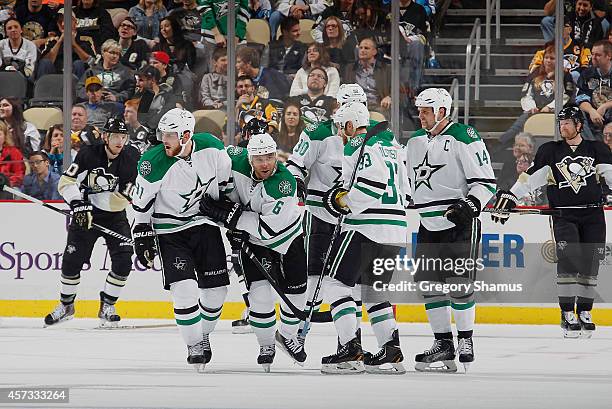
[[97, 186], [572, 168]]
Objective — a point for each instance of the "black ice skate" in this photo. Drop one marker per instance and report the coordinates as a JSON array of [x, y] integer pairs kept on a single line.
[[195, 356], [358, 335], [206, 349], [266, 356], [292, 347], [570, 324], [108, 316], [242, 325], [439, 358], [61, 313], [388, 360], [586, 324], [348, 360], [465, 350]]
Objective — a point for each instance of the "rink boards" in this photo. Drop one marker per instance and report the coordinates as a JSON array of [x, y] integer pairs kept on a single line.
[[32, 240]]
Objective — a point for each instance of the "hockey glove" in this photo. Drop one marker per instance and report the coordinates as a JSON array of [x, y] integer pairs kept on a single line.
[[505, 201], [144, 244], [222, 211], [237, 238], [81, 214], [463, 211], [301, 189], [335, 202]]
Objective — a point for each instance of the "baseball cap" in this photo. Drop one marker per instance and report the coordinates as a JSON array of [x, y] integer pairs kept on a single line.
[[93, 80], [61, 11], [150, 71], [161, 56]]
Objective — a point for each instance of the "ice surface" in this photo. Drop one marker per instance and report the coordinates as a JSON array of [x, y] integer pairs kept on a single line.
[[516, 367]]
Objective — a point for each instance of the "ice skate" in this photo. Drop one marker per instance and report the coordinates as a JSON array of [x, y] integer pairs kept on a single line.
[[195, 356], [570, 324], [108, 316], [292, 347], [439, 358], [388, 360], [348, 360], [61, 313], [242, 325], [266, 356], [465, 350], [206, 349], [587, 327]]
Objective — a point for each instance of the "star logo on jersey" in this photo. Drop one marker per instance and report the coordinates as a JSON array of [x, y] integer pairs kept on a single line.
[[423, 173], [575, 171], [193, 198], [338, 170]]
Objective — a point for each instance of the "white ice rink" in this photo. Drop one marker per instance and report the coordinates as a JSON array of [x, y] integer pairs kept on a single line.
[[516, 367]]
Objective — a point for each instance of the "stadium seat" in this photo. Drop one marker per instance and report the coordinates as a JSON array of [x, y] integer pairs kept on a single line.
[[49, 90], [377, 116], [14, 84], [541, 125], [210, 120], [43, 118], [306, 26], [258, 31]]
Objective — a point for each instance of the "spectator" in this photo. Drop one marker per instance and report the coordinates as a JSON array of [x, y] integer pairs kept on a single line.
[[54, 148], [116, 79], [18, 53], [315, 106], [341, 51], [524, 145], [52, 61], [41, 183], [548, 22], [607, 134], [539, 94], [95, 22], [287, 53], [214, 21], [346, 12], [134, 51], [11, 158], [248, 102], [213, 88], [190, 20], [594, 90], [269, 82], [586, 26], [37, 21], [412, 23], [291, 127], [181, 51], [155, 99], [98, 109], [23, 135], [373, 76], [316, 56], [148, 14], [82, 133], [138, 134], [298, 9], [260, 9]]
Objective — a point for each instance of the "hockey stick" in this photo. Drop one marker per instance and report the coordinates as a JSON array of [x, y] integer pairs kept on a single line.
[[544, 212], [66, 213], [379, 127]]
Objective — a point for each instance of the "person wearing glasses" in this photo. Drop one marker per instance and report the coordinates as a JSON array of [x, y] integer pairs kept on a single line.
[[41, 183], [314, 104], [134, 51]]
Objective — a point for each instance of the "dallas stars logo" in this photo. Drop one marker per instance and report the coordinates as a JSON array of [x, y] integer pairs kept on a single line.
[[338, 170], [193, 198], [423, 173]]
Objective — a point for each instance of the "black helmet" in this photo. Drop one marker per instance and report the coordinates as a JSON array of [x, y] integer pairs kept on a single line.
[[570, 112], [253, 126], [115, 124]]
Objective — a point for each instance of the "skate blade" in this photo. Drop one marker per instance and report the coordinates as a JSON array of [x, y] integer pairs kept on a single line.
[[395, 368], [284, 351], [571, 334], [466, 366], [45, 325], [199, 368], [266, 367], [586, 334], [104, 324], [244, 329], [443, 366], [345, 368]]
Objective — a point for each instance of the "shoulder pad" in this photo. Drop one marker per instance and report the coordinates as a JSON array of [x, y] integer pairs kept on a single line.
[[154, 164]]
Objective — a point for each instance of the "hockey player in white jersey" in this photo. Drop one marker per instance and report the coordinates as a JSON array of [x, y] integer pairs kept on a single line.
[[451, 181], [263, 210], [172, 178], [374, 224]]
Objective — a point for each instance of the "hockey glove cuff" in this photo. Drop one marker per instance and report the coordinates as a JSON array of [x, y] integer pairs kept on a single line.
[[144, 244], [463, 211], [505, 201], [81, 214], [221, 211], [335, 201]]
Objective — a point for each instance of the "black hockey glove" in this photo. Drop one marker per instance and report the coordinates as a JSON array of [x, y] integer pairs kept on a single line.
[[301, 189], [81, 214], [334, 200], [505, 201], [222, 211], [237, 238], [144, 244], [4, 181], [463, 211]]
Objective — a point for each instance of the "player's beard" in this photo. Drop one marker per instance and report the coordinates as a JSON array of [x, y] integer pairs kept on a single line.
[[172, 151]]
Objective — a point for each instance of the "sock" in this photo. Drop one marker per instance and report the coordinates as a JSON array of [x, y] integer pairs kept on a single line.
[[342, 309], [310, 289], [583, 304], [262, 315], [586, 286], [69, 288], [186, 310], [439, 316], [382, 321], [465, 314], [567, 303], [358, 304], [113, 286], [290, 324], [211, 302], [567, 288]]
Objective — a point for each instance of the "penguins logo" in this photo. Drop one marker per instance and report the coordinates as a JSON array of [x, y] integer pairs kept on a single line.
[[100, 181], [576, 171]]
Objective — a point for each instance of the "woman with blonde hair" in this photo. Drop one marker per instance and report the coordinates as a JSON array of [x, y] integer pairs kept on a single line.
[[147, 15], [316, 56]]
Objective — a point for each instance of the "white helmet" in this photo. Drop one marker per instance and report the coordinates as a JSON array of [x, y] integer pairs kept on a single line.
[[177, 120], [354, 112], [351, 93], [435, 98], [261, 144]]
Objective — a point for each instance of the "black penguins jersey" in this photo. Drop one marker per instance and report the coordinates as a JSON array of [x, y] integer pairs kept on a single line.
[[572, 175], [106, 183]]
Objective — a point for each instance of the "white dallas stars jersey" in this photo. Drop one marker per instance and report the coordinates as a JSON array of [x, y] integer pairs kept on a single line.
[[168, 189], [377, 197], [272, 216], [445, 168]]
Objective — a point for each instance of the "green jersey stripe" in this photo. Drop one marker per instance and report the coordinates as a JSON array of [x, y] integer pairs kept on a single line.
[[357, 222]]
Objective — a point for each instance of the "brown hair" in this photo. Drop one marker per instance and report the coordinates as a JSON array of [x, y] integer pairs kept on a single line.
[[540, 73], [249, 55], [283, 136], [47, 143], [607, 46], [322, 61], [4, 130], [341, 33], [133, 103], [16, 122]]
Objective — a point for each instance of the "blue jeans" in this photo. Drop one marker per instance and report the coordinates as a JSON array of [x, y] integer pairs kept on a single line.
[[276, 18], [548, 28]]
